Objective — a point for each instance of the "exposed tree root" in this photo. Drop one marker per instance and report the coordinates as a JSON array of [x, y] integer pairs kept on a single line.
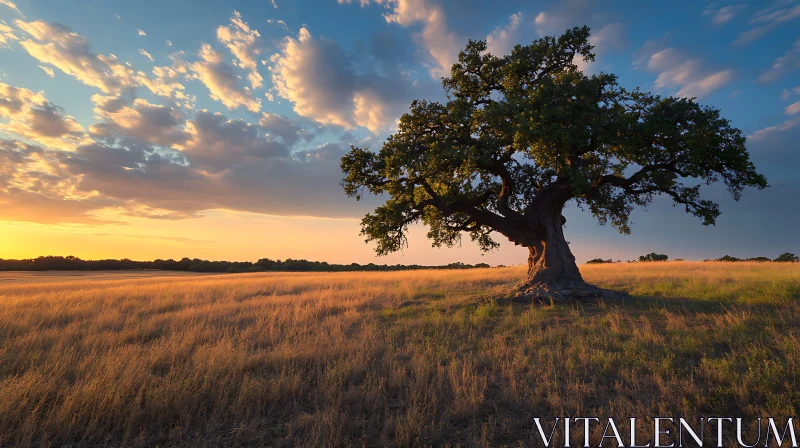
[[570, 291]]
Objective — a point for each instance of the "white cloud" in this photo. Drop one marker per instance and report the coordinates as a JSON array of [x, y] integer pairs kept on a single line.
[[165, 82], [768, 19], [227, 164], [786, 93], [274, 4], [793, 109], [48, 70], [36, 187], [245, 45], [724, 14], [141, 33], [11, 5], [784, 64], [322, 82], [222, 82], [142, 120], [542, 19], [565, 14], [216, 143], [706, 84], [59, 46], [144, 53], [284, 127], [769, 132], [609, 37], [279, 22], [169, 42], [6, 34], [676, 70], [362, 3], [441, 44], [32, 116], [502, 39], [606, 36]]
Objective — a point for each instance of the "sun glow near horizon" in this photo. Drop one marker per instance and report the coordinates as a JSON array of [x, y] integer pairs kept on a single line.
[[232, 236]]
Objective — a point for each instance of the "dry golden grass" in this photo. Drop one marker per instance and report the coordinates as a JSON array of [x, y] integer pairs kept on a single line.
[[403, 359]]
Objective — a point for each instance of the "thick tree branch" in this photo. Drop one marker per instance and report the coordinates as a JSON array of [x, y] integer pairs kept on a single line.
[[618, 181]]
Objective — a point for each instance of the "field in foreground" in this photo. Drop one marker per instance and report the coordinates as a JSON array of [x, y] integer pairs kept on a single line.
[[403, 358]]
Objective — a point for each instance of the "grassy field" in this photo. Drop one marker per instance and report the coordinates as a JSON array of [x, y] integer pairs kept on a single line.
[[399, 359]]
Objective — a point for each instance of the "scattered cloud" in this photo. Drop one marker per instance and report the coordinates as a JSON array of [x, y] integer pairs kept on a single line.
[[60, 47], [146, 181], [722, 14], [144, 53], [216, 143], [36, 187], [279, 22], [769, 132], [169, 42], [30, 115], [168, 161], [11, 5], [287, 129], [245, 45], [274, 4], [567, 14], [606, 35], [222, 82], [165, 82], [158, 162], [786, 93], [6, 34], [439, 41], [677, 70], [793, 109], [141, 182], [48, 70], [608, 38], [324, 85], [142, 121], [784, 64], [503, 38], [767, 20]]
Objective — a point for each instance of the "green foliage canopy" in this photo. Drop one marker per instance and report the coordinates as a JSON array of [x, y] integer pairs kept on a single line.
[[522, 134]]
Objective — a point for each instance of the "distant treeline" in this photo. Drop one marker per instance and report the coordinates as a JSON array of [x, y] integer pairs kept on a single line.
[[71, 263], [786, 257], [782, 258]]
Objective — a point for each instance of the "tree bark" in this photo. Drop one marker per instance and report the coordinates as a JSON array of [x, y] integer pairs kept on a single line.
[[550, 261]]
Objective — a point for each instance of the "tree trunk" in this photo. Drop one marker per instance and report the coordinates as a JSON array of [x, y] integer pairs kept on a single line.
[[550, 262], [553, 277]]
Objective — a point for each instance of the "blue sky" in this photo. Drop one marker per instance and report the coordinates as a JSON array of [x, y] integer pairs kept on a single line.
[[151, 120]]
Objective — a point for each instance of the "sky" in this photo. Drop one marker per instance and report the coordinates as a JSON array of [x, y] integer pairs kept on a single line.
[[198, 128]]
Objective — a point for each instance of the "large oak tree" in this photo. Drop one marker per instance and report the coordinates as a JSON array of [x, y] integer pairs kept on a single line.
[[522, 135]]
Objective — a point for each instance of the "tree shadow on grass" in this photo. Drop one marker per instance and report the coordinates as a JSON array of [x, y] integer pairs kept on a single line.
[[649, 303], [641, 305]]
